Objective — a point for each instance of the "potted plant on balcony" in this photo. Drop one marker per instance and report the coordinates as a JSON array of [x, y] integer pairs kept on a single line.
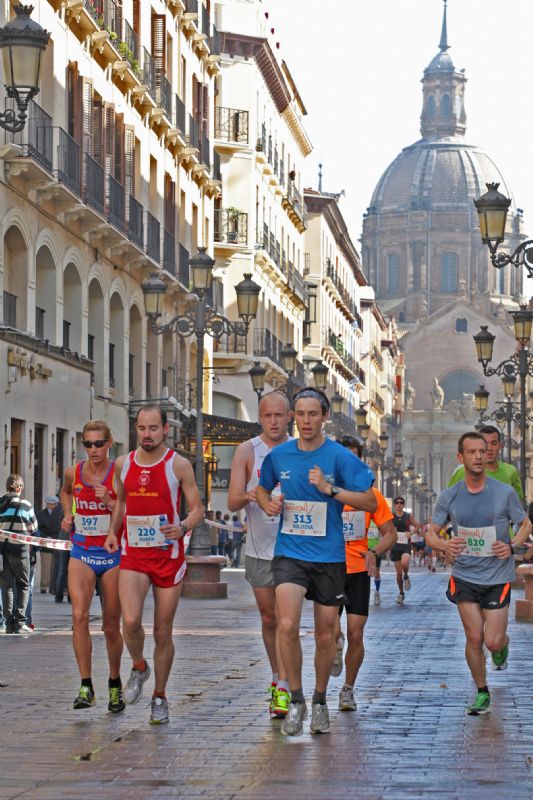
[[233, 223]]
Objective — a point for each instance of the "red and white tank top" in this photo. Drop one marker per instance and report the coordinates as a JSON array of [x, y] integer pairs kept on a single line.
[[91, 516], [151, 490]]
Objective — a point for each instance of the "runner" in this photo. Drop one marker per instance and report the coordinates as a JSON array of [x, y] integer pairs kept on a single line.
[[148, 484], [499, 470], [317, 477], [88, 497], [274, 417], [480, 510], [360, 567], [400, 553]]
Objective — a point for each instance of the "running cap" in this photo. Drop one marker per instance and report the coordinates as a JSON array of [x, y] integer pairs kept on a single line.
[[315, 395]]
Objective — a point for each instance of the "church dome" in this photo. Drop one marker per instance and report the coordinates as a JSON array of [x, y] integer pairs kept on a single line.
[[438, 174]]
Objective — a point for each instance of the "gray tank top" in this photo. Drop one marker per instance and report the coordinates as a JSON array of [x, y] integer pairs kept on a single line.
[[262, 529]]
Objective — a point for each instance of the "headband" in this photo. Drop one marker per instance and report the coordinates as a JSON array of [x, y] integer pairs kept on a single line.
[[315, 395]]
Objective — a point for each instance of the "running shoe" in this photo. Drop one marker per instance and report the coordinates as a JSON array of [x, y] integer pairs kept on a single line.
[[134, 687], [159, 715], [480, 705], [116, 701], [292, 725], [279, 705], [377, 599], [336, 669], [407, 583], [499, 659], [319, 718], [400, 598], [85, 698], [347, 700], [270, 692]]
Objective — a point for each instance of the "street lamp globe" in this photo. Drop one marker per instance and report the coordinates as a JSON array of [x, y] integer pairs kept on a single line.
[[522, 320], [484, 341], [201, 267], [257, 375], [336, 403], [320, 374], [492, 208], [508, 385], [360, 416], [288, 356], [364, 431], [247, 292], [481, 399], [22, 41], [383, 441], [153, 290]]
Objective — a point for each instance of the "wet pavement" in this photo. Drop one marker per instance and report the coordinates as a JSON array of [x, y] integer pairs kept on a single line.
[[409, 738]]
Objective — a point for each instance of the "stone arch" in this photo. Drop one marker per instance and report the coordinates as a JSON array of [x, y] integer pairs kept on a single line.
[[96, 319], [16, 278], [135, 355], [46, 297], [117, 345], [72, 307], [458, 382]]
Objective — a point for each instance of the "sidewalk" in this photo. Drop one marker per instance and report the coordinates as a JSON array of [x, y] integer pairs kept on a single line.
[[410, 737]]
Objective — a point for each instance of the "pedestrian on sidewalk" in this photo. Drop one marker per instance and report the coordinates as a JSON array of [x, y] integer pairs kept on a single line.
[[237, 534], [49, 520], [317, 477], [480, 510]]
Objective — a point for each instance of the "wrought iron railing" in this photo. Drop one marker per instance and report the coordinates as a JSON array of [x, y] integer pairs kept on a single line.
[[94, 193], [231, 227], [112, 19], [217, 174], [183, 265], [164, 94], [68, 162], [179, 115], [214, 41], [193, 137], [153, 238], [116, 211], [266, 345], [36, 138], [169, 253], [231, 125], [135, 222], [205, 151], [148, 73], [205, 20]]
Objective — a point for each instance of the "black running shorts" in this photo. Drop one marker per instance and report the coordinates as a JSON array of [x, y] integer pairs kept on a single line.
[[357, 590], [324, 583], [487, 597], [398, 550]]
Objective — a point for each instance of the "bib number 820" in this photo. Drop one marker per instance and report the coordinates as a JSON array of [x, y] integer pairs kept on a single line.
[[475, 542]]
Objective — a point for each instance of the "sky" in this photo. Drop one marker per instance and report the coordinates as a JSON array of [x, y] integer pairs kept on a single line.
[[358, 66]]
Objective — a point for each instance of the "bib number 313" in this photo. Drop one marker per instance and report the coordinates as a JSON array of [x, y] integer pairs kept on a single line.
[[301, 518]]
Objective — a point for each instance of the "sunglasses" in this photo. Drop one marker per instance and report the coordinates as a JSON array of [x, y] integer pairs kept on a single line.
[[96, 443], [400, 503]]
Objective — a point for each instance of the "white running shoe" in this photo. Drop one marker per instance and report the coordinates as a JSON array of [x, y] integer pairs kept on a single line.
[[336, 669], [377, 599], [134, 687], [159, 714], [407, 583], [347, 700], [292, 725], [400, 598], [319, 718]]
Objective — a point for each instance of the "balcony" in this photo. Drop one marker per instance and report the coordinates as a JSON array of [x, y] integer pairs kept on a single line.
[[148, 74], [180, 116], [135, 222], [261, 145], [164, 95], [32, 147], [183, 266], [231, 227], [153, 238], [231, 126], [94, 185], [340, 293], [293, 204], [116, 204], [296, 283], [266, 345], [377, 357], [231, 343]]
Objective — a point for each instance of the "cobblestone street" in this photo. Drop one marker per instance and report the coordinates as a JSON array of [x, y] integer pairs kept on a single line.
[[410, 737]]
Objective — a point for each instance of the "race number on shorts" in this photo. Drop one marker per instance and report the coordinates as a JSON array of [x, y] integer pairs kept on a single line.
[[303, 518], [478, 541], [353, 525], [92, 524], [144, 532]]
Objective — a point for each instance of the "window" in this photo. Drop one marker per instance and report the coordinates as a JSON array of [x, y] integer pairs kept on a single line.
[[448, 274], [66, 334], [39, 322], [446, 105], [431, 105], [461, 325], [10, 309], [393, 273], [111, 365], [90, 347]]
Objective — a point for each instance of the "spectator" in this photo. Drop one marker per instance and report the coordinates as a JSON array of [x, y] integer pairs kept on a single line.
[[49, 521], [221, 533], [228, 546], [213, 533], [18, 516], [238, 536]]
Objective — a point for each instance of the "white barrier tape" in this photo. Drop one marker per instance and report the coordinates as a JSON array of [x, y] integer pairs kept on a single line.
[[35, 541], [214, 524]]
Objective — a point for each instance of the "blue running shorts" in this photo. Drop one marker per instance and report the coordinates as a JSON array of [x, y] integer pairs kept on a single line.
[[98, 559]]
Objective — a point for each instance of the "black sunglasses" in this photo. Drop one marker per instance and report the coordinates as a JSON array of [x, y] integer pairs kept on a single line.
[[96, 443], [399, 502]]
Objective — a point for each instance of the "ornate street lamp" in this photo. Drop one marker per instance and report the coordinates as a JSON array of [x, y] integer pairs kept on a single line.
[[492, 208], [360, 416], [198, 320], [336, 403], [522, 320], [22, 41], [484, 341], [320, 374], [288, 356], [383, 439], [257, 374], [481, 399], [364, 431], [509, 385]]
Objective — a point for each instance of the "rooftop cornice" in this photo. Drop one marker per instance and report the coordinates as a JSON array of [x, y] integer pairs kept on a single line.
[[258, 48], [328, 207]]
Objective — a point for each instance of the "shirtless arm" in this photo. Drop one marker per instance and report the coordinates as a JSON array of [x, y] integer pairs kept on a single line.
[[119, 508], [241, 468], [66, 495]]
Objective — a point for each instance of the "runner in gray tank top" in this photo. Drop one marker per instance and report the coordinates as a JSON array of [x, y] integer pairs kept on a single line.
[[274, 417], [480, 510]]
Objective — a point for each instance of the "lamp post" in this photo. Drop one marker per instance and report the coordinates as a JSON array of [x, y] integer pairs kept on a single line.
[[492, 208], [507, 413], [519, 365], [22, 42], [320, 374], [257, 376], [199, 320]]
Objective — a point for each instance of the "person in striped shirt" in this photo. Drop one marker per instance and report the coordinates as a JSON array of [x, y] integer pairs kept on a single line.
[[17, 516]]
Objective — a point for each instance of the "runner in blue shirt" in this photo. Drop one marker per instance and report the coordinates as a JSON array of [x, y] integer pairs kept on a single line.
[[316, 477], [480, 510]]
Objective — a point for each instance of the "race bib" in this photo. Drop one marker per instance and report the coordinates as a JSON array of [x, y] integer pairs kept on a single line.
[[92, 525], [402, 538], [353, 525], [478, 541], [303, 518], [144, 532]]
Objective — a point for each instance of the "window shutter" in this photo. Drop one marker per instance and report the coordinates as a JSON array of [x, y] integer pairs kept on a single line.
[[205, 109], [119, 16], [73, 101], [136, 18], [87, 95], [170, 204], [129, 168], [109, 163], [119, 148], [158, 46]]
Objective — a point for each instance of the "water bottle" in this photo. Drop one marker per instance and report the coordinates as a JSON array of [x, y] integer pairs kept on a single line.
[[163, 520]]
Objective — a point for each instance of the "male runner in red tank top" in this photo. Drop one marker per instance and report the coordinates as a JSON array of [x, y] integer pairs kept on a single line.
[[148, 483], [87, 497]]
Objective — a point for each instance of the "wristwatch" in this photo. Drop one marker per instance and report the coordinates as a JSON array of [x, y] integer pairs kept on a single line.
[[511, 548], [334, 490], [373, 551]]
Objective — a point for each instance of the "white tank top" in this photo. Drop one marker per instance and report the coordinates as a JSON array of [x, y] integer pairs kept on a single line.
[[262, 530]]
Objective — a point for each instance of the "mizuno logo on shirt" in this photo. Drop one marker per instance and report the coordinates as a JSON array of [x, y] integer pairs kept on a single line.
[[285, 475]]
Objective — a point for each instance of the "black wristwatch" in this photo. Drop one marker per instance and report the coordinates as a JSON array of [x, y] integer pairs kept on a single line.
[[373, 551], [511, 548], [333, 491]]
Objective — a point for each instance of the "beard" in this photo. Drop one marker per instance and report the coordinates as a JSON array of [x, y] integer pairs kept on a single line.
[[148, 445]]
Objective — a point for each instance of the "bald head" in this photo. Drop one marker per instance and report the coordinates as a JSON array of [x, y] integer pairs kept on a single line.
[[274, 416]]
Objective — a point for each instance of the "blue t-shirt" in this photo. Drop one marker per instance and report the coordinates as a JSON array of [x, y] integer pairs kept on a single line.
[[496, 505], [289, 466]]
